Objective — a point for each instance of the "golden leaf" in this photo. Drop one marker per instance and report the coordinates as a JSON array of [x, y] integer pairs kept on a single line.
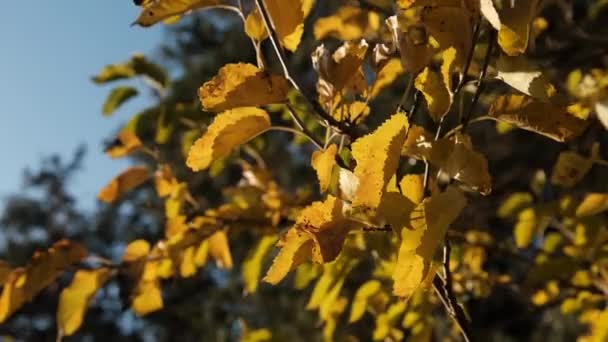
[[386, 76], [323, 162], [377, 155], [126, 143], [428, 224], [136, 250], [288, 21], [75, 298], [342, 69], [362, 298], [219, 250], [539, 117], [228, 130], [525, 228], [123, 183], [521, 75], [347, 23], [296, 247], [23, 284], [242, 85], [515, 26], [164, 181], [147, 298], [254, 26], [252, 266], [158, 10], [592, 204], [436, 87]]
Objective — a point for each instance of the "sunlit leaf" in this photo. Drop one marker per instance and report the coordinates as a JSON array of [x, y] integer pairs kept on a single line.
[[158, 10], [296, 247], [228, 130], [242, 85], [74, 299], [347, 23], [123, 183], [539, 117], [362, 298], [428, 225], [252, 266], [592, 204], [125, 143], [288, 21], [323, 162], [519, 74], [147, 298]]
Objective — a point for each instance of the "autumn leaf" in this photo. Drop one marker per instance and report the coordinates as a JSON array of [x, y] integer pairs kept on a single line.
[[147, 298], [323, 162], [340, 70], [437, 87], [24, 283], [219, 249], [154, 11], [592, 204], [362, 299], [242, 85], [570, 169], [254, 26], [428, 225], [125, 143], [296, 248], [123, 183], [516, 20], [377, 155], [136, 250], [539, 117], [252, 266], [521, 75], [228, 130], [387, 74], [288, 21], [75, 298]]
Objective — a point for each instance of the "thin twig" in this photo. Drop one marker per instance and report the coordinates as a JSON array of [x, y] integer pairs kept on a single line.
[[314, 106], [480, 85]]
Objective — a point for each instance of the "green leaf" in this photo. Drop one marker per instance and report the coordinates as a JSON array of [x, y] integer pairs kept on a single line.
[[117, 97]]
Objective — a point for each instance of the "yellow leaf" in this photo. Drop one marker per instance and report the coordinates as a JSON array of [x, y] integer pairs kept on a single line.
[[288, 21], [348, 23], [228, 130], [521, 75], [252, 266], [436, 87], [377, 155], [412, 187], [219, 250], [164, 181], [328, 227], [592, 204], [136, 250], [75, 298], [570, 169], [428, 224], [450, 27], [23, 284], [362, 298], [159, 10], [386, 76], [539, 117], [123, 183], [187, 266], [342, 69], [525, 228], [323, 162], [148, 298], [126, 143], [386, 320], [242, 85], [258, 335], [296, 247], [515, 26], [514, 204], [254, 26]]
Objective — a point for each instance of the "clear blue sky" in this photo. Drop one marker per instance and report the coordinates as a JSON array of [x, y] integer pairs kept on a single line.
[[48, 52]]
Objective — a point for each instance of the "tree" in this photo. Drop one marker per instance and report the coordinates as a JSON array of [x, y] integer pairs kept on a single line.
[[434, 170]]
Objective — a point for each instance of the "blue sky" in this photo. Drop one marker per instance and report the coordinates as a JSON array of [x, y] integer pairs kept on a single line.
[[49, 50]]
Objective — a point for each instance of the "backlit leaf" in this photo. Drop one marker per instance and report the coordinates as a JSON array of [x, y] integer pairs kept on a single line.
[[515, 25], [540, 117], [123, 183], [296, 248], [75, 298], [519, 74], [228, 130], [242, 85], [428, 224], [436, 87], [362, 298], [126, 143], [347, 23], [323, 162], [219, 250], [377, 155], [252, 266], [288, 21], [158, 10], [387, 74], [147, 298], [592, 204]]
